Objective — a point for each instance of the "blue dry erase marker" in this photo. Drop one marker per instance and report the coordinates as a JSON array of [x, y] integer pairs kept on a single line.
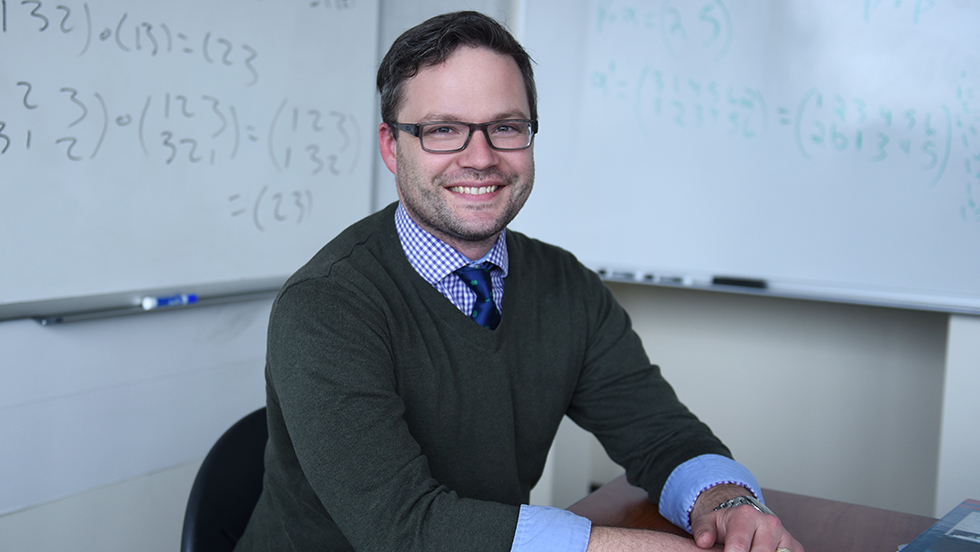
[[150, 303]]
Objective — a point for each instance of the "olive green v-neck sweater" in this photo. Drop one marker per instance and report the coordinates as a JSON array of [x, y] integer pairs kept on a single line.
[[397, 423]]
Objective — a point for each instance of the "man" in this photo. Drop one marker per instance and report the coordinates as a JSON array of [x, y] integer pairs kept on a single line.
[[412, 408]]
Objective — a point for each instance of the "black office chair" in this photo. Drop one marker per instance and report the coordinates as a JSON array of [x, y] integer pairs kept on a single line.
[[227, 487]]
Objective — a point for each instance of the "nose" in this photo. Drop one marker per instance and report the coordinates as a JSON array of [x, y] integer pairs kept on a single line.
[[478, 153]]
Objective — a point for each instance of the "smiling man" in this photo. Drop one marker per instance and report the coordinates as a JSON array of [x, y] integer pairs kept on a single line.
[[412, 402]]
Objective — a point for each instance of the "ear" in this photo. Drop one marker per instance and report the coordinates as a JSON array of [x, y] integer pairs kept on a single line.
[[389, 146]]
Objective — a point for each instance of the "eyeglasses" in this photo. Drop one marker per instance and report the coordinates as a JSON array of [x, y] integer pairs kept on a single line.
[[453, 136]]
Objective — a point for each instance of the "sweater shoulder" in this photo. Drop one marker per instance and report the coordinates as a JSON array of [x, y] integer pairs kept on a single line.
[[369, 238]]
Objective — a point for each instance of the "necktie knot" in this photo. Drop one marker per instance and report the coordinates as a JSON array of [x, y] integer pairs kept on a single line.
[[477, 278]]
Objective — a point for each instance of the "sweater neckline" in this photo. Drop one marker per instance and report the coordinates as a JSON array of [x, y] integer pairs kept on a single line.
[[443, 307]]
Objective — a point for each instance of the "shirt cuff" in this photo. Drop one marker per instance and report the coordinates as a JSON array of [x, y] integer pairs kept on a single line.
[[695, 476], [544, 529]]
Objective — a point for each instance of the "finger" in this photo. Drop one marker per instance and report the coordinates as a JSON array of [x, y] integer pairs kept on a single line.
[[789, 544], [747, 530], [704, 531]]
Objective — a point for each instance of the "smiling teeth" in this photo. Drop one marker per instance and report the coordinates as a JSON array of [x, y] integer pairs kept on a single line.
[[474, 191]]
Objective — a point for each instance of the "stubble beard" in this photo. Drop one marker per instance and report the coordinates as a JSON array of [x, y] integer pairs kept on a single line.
[[425, 202]]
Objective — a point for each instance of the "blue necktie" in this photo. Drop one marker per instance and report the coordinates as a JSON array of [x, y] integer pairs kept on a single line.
[[485, 311]]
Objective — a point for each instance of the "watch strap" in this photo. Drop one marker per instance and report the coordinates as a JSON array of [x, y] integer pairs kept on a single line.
[[746, 500]]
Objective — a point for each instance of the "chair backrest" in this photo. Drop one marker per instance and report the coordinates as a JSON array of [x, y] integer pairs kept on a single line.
[[226, 488]]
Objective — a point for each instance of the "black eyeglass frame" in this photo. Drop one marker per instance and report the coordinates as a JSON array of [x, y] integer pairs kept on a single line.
[[416, 131]]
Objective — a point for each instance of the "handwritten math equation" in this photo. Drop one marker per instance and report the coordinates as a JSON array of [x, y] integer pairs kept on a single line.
[[685, 27], [938, 140], [171, 129], [47, 118], [84, 30]]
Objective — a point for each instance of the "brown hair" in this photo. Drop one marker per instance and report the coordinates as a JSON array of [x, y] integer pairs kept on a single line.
[[433, 41]]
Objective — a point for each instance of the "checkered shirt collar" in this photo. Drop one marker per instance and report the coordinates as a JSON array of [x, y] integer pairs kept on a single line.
[[432, 258]]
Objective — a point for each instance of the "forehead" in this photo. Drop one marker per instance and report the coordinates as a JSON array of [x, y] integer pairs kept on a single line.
[[472, 85]]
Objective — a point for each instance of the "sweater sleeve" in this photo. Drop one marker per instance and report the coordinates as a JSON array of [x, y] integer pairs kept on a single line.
[[330, 369], [625, 401]]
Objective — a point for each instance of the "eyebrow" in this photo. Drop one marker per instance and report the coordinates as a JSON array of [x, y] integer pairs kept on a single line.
[[443, 117]]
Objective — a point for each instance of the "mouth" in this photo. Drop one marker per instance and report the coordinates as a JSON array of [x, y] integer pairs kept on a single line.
[[474, 190]]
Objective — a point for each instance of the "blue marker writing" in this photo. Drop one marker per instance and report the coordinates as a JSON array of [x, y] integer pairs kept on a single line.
[[150, 303]]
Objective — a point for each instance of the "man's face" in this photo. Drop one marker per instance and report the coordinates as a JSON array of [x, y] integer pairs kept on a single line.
[[464, 198]]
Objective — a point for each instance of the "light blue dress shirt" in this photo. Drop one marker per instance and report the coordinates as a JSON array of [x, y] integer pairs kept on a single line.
[[542, 528]]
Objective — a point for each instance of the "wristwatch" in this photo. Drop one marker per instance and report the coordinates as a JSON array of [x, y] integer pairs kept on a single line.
[[750, 500]]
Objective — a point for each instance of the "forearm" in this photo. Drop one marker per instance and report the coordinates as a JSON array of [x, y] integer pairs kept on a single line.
[[622, 539]]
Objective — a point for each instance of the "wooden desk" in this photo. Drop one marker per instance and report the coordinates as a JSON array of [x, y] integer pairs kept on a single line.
[[820, 525]]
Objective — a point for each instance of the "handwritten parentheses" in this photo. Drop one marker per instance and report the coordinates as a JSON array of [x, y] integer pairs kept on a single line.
[[272, 131], [149, 34], [234, 119], [88, 32], [64, 19], [255, 211], [248, 63], [813, 94], [204, 46], [70, 147], [170, 38], [119, 33], [34, 13], [167, 136], [4, 137], [27, 93], [314, 156], [214, 107], [146, 109], [183, 105], [105, 124], [76, 101], [191, 155], [228, 48]]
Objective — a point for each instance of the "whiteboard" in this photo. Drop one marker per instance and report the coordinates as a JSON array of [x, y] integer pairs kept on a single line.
[[174, 145], [828, 149]]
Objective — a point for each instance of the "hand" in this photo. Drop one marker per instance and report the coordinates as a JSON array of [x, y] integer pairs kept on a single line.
[[741, 529]]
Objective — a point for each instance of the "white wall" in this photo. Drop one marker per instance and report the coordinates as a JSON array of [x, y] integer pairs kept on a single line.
[[829, 400], [838, 401]]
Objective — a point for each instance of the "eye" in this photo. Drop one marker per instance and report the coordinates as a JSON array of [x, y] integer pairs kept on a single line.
[[507, 128], [441, 130]]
